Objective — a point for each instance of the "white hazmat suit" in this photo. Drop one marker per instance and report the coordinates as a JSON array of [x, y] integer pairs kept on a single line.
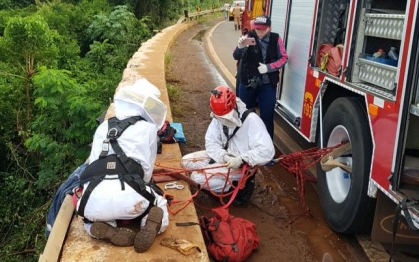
[[251, 143], [108, 202]]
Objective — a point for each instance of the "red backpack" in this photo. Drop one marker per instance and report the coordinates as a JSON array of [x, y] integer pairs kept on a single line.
[[229, 238]]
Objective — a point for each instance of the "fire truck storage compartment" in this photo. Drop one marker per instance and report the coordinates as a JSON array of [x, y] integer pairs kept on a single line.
[[330, 25], [381, 27]]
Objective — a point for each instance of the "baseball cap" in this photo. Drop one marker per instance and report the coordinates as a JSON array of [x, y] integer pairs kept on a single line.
[[262, 22]]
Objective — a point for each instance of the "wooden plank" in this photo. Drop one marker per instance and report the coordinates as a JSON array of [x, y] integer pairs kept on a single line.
[[59, 230], [81, 247]]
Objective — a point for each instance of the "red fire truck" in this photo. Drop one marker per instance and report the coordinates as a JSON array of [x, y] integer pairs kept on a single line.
[[253, 9], [353, 77]]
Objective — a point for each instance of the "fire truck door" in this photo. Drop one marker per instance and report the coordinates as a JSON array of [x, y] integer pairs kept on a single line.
[[296, 33]]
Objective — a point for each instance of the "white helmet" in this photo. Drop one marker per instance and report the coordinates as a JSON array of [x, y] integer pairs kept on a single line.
[[134, 101]]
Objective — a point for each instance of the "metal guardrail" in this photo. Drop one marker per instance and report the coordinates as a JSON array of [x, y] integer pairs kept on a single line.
[[194, 15]]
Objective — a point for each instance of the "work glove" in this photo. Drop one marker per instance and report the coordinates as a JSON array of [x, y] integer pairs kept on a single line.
[[263, 69], [226, 158], [240, 44], [234, 162]]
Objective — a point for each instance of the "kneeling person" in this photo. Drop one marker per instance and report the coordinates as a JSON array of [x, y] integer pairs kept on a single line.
[[231, 141], [116, 184]]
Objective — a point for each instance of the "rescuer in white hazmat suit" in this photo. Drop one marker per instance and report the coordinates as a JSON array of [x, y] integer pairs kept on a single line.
[[108, 203], [250, 144]]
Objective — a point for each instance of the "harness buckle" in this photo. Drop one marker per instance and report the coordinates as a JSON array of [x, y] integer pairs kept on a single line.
[[105, 145], [173, 185], [113, 132]]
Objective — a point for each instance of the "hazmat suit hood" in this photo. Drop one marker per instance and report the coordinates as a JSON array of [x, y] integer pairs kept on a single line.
[[232, 119], [140, 99]]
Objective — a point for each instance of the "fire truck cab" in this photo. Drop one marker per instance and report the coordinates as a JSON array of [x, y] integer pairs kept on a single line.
[[353, 77]]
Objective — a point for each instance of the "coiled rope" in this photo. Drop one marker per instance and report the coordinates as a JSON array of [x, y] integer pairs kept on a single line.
[[296, 163], [247, 172]]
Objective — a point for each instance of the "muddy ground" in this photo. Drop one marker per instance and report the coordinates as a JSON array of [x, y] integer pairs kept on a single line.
[[275, 202]]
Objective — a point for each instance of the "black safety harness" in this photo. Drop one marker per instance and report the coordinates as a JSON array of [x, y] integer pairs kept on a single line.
[[225, 128], [127, 169]]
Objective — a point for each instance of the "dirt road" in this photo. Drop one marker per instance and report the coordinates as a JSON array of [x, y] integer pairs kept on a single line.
[[275, 202]]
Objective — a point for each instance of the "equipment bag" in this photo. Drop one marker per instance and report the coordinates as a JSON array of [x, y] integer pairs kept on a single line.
[[228, 238], [167, 133]]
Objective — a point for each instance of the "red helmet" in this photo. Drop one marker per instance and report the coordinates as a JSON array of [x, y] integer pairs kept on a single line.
[[222, 100]]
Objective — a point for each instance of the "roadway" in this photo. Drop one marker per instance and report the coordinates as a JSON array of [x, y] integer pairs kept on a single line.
[[220, 42]]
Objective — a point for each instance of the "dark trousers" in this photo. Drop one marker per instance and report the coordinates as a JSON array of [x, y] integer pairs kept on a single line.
[[266, 98]]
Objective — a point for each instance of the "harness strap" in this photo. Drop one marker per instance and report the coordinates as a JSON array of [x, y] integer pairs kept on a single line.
[[122, 156], [133, 180], [137, 183], [402, 206], [225, 128], [115, 129], [93, 183], [409, 219]]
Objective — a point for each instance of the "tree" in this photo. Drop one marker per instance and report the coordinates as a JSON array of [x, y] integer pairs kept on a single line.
[[27, 41], [119, 27], [115, 37], [60, 132]]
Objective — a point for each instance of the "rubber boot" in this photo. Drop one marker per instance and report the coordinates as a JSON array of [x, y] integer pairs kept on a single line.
[[119, 236], [145, 238], [235, 27], [243, 196]]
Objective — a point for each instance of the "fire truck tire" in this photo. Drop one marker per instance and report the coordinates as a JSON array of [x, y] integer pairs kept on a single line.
[[343, 196]]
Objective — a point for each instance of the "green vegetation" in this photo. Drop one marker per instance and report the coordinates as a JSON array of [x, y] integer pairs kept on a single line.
[[60, 62], [173, 91]]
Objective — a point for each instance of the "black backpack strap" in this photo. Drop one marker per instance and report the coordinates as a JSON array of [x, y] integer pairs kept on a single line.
[[225, 129]]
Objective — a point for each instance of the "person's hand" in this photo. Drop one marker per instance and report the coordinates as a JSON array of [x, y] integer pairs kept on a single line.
[[263, 69], [234, 162], [227, 158], [240, 44]]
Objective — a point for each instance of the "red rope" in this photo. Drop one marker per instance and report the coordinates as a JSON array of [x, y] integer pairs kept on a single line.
[[297, 163], [247, 172]]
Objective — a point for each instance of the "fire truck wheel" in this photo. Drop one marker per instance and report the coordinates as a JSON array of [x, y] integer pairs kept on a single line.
[[343, 195]]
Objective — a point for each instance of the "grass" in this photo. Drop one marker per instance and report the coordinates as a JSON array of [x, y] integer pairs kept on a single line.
[[173, 89], [172, 82], [209, 16]]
